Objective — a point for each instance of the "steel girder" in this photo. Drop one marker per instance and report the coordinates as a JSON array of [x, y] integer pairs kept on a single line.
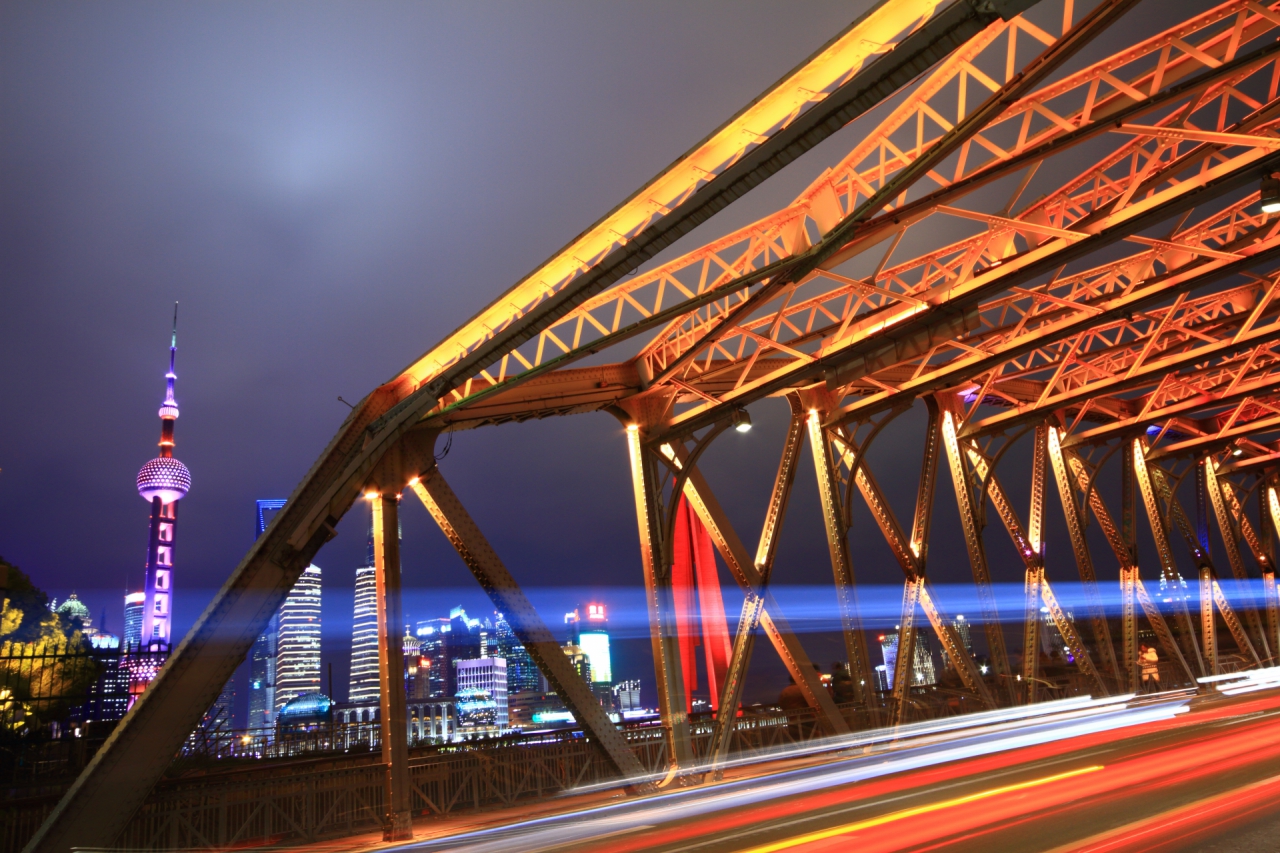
[[739, 320], [391, 692]]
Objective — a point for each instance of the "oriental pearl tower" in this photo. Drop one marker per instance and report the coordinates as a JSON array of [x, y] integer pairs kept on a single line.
[[162, 482]]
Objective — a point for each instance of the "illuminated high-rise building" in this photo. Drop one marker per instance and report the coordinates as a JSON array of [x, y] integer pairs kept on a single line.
[[433, 656], [262, 658], [262, 677], [298, 640], [363, 686], [482, 695], [589, 631], [162, 482], [522, 673], [133, 620], [922, 669]]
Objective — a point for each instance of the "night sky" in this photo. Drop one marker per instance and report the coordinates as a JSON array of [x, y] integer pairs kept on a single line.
[[329, 189]]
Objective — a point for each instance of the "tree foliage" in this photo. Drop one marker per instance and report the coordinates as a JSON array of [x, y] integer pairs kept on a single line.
[[45, 661]]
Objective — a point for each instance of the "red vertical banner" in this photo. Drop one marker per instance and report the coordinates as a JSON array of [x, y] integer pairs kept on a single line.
[[715, 630], [682, 591]]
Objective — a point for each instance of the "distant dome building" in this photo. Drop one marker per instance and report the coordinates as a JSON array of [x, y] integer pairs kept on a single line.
[[305, 713], [73, 608]]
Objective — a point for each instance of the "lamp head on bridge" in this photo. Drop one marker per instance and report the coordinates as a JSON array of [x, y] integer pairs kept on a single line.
[[1270, 194], [741, 420]]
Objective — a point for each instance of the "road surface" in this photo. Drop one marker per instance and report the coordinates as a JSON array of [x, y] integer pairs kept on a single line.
[[1171, 772]]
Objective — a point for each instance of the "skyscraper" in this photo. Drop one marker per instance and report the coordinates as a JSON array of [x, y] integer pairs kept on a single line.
[[433, 656], [133, 619], [482, 695], [522, 673], [162, 482], [262, 659], [298, 640], [589, 630], [262, 677], [364, 638], [922, 669]]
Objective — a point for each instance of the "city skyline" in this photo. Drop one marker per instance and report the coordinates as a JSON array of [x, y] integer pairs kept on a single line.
[[274, 324]]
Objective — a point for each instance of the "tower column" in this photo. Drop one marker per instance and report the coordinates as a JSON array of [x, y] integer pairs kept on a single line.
[[395, 746]]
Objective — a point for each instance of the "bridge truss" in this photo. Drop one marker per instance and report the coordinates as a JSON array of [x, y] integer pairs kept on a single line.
[[1124, 322]]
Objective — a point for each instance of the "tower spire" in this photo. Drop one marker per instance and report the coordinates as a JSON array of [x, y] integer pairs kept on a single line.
[[169, 402], [162, 482]]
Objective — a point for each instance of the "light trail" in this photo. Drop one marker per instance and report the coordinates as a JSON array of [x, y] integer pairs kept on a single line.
[[662, 810], [893, 817]]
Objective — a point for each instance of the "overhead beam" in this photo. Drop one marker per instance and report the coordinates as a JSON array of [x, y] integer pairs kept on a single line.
[[632, 233]]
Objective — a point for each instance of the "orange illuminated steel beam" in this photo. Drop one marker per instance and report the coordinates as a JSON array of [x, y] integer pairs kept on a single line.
[[808, 104], [738, 259]]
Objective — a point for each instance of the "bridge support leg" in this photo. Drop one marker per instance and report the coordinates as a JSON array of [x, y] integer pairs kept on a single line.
[[465, 536], [1223, 500], [969, 520], [395, 744], [904, 663], [1129, 623], [855, 642], [1169, 569], [1073, 514], [1208, 628], [1272, 512], [658, 596]]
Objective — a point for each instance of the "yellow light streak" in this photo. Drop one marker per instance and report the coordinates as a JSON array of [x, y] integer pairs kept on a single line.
[[875, 33], [918, 810]]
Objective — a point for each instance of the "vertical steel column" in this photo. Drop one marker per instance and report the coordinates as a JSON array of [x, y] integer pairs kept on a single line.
[[1128, 543], [1032, 553], [1269, 572], [977, 551], [753, 600], [395, 743], [1031, 632], [1128, 619], [1131, 583], [657, 585], [1203, 560], [855, 642], [1168, 567], [1033, 556], [1208, 627], [1071, 510], [904, 669], [1224, 503]]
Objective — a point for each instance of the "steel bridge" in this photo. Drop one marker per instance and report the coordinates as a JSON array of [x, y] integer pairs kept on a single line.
[[1123, 322]]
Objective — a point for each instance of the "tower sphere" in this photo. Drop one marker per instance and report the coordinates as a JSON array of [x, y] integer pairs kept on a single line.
[[164, 478]]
